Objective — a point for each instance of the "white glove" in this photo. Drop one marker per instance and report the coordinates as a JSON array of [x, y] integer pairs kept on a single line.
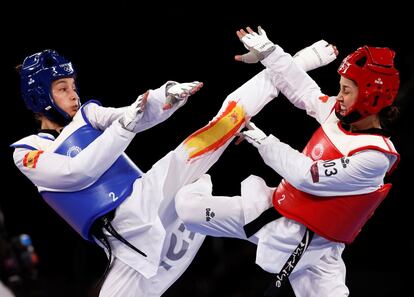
[[134, 112], [175, 92], [254, 135], [317, 55], [258, 44]]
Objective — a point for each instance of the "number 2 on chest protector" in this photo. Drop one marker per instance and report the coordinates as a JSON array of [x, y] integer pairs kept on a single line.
[[113, 196], [281, 199]]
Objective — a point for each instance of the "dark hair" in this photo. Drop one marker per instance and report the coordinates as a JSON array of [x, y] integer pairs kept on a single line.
[[389, 116]]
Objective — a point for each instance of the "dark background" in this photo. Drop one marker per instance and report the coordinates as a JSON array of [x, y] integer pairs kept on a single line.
[[120, 50]]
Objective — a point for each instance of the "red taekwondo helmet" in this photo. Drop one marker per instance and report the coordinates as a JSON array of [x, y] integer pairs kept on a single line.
[[372, 69]]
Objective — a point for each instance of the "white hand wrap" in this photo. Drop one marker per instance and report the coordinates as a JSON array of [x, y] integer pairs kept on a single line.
[[177, 92], [134, 113], [318, 54], [259, 46], [254, 135]]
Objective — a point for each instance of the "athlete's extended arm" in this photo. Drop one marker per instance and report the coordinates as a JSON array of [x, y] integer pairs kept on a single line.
[[288, 78]]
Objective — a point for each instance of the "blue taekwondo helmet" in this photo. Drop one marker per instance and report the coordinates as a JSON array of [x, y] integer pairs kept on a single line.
[[36, 76]]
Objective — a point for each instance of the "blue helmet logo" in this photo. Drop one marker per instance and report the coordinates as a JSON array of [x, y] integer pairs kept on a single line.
[[37, 74]]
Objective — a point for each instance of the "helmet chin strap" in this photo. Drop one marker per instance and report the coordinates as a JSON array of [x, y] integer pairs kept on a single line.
[[351, 117], [54, 115]]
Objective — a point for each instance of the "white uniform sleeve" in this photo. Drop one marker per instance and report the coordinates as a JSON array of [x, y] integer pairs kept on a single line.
[[101, 117], [58, 172], [298, 87], [254, 94], [357, 174]]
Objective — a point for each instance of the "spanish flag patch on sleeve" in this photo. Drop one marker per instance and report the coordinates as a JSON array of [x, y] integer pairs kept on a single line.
[[215, 134], [30, 159]]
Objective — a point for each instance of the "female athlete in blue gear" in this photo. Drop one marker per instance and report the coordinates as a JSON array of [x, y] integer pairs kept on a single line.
[[78, 164]]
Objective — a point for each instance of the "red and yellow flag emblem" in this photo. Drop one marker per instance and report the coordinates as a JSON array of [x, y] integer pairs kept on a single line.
[[216, 133], [30, 159]]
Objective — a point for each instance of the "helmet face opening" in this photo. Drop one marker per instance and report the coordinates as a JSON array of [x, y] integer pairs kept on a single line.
[[373, 71], [37, 74]]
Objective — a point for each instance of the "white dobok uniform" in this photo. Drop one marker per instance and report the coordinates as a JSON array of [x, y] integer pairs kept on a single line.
[[321, 270]]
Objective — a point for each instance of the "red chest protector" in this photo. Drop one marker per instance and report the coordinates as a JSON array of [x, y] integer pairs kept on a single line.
[[337, 218]]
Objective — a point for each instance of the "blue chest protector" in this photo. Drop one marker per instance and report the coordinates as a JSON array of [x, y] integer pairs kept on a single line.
[[81, 208]]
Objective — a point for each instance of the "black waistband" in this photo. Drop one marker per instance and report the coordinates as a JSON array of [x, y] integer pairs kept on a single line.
[[266, 217], [282, 277], [275, 288], [104, 222]]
